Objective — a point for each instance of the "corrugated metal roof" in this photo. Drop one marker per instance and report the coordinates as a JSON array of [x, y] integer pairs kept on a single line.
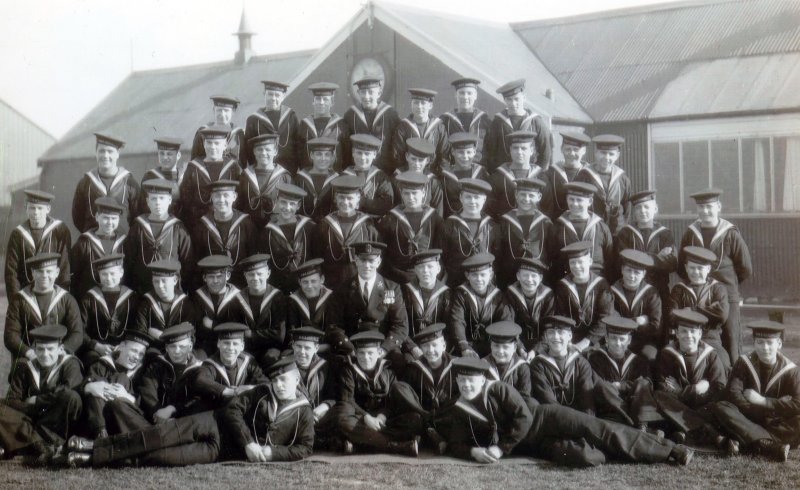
[[489, 51], [173, 102], [610, 62]]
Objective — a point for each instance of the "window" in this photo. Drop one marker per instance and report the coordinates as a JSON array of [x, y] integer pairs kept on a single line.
[[755, 161]]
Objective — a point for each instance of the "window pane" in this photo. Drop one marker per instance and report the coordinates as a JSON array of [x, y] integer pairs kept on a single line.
[[756, 175], [787, 173], [665, 166], [725, 172], [695, 171]]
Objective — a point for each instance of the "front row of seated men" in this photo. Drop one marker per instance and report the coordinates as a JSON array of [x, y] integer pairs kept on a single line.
[[144, 405]]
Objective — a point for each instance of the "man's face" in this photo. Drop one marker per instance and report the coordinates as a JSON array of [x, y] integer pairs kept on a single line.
[[767, 349], [37, 214], [433, 350], [216, 280], [632, 277], [427, 272], [367, 265], [618, 343], [412, 197], [110, 277], [44, 278], [368, 357], [689, 338], [606, 158], [304, 351], [528, 279], [347, 202], [697, 273], [265, 154], [472, 202], [470, 386], [107, 157], [528, 200], [47, 353], [362, 159], [708, 212], [645, 212], [287, 208], [515, 103], [578, 205], [222, 201], [421, 109], [464, 156], [178, 352], [257, 279], [285, 385], [159, 203], [502, 352], [164, 287], [465, 98], [573, 153], [131, 354], [215, 148], [168, 158], [580, 267], [273, 99], [558, 340], [229, 350], [322, 159], [479, 280], [311, 285], [322, 104], [521, 152], [416, 163], [107, 223], [370, 97], [223, 115]]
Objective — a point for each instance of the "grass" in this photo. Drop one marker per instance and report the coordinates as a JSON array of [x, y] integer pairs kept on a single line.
[[704, 472]]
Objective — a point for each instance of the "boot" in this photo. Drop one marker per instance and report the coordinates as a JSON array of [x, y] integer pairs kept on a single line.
[[79, 460], [773, 450], [682, 455], [405, 448], [439, 444], [80, 444], [733, 447]]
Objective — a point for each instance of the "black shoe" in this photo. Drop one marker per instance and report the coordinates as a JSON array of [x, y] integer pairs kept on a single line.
[[80, 444], [678, 437], [733, 447], [78, 460], [2, 453], [682, 454], [405, 448], [773, 450], [347, 447], [101, 434]]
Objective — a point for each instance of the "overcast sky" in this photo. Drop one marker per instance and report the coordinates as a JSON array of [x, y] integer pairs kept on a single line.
[[61, 57]]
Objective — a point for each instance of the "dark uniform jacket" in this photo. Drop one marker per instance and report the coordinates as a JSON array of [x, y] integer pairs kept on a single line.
[[436, 390], [143, 247], [478, 125], [163, 384], [230, 306], [174, 175], [659, 238], [403, 241], [123, 187], [30, 379], [88, 248], [266, 319], [24, 314], [152, 315], [497, 416], [459, 243], [106, 369], [424, 308], [311, 127], [586, 309], [260, 122], [335, 246], [607, 369], [286, 253], [286, 426], [195, 191], [517, 374], [471, 313], [450, 177], [782, 389], [563, 233], [707, 366], [240, 242], [711, 300], [300, 313], [379, 123], [377, 195], [213, 377], [612, 201], [318, 202], [733, 257], [514, 241], [258, 198], [647, 302], [319, 383], [22, 245], [365, 393], [571, 387], [504, 188], [385, 307], [497, 142], [434, 193], [529, 312], [554, 196], [233, 151], [434, 131], [107, 323]]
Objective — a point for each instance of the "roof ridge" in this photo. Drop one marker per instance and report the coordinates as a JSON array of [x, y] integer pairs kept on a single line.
[[221, 63]]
